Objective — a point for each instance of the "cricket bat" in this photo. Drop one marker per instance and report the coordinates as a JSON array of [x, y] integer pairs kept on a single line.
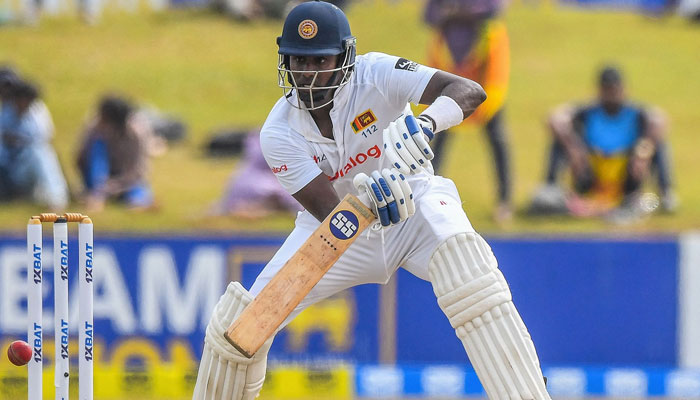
[[263, 316]]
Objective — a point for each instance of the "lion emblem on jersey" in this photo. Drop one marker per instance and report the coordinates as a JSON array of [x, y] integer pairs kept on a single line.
[[308, 29], [363, 120]]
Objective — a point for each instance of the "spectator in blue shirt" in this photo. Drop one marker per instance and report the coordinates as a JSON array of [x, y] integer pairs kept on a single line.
[[611, 147], [114, 156]]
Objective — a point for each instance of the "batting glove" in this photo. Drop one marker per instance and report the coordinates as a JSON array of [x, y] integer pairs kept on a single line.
[[390, 195], [406, 144]]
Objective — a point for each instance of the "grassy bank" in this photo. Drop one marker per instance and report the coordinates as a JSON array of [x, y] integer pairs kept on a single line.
[[213, 72]]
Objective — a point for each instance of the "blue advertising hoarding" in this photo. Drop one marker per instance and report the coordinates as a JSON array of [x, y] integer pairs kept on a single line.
[[616, 300], [587, 302]]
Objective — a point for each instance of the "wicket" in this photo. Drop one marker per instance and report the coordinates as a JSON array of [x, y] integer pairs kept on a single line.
[[34, 304]]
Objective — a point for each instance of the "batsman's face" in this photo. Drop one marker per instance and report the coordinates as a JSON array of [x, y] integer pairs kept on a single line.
[[312, 74]]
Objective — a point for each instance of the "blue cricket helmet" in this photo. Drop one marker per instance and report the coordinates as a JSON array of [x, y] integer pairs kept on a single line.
[[315, 28]]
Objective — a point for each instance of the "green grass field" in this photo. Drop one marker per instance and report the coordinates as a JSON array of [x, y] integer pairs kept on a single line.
[[214, 72]]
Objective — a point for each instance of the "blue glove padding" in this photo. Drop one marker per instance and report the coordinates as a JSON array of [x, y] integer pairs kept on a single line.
[[389, 193], [391, 207], [406, 144]]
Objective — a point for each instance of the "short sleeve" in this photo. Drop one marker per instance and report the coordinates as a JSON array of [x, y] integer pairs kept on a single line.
[[578, 118], [400, 80], [289, 157], [579, 113], [643, 119]]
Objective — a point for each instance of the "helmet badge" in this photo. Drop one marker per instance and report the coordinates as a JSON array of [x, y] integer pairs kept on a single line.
[[308, 29]]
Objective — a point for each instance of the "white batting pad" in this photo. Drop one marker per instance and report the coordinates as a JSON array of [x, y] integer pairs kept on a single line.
[[474, 295], [224, 373]]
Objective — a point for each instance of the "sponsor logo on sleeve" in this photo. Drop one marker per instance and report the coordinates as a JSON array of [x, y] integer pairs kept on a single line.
[[277, 170], [406, 65], [363, 120]]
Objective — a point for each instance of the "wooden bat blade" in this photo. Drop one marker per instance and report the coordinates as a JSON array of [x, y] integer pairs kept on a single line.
[[263, 316]]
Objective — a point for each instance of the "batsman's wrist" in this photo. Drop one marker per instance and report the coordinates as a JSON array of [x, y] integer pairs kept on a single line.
[[428, 120], [443, 114], [427, 125]]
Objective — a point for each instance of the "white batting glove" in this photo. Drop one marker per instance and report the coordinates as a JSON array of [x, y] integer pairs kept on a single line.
[[406, 144], [390, 195]]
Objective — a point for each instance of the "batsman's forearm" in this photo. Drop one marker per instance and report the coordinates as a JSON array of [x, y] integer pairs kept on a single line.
[[467, 94], [318, 197], [321, 209]]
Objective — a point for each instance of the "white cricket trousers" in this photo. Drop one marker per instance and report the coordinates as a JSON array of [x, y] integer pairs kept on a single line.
[[376, 255]]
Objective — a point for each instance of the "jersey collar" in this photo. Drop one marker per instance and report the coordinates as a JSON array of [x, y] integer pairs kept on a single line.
[[301, 121]]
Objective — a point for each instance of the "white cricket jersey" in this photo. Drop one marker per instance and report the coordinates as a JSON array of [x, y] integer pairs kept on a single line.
[[379, 91]]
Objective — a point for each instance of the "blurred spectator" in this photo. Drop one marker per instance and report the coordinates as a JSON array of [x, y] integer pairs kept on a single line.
[[253, 9], [611, 146], [471, 41], [252, 190], [114, 156], [29, 167], [690, 9], [7, 77]]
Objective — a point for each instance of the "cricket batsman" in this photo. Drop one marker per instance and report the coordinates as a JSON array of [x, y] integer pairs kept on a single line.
[[344, 125]]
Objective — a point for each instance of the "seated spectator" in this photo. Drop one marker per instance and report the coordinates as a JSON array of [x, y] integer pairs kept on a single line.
[[611, 147], [689, 9], [29, 167], [7, 77], [253, 191], [114, 156]]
